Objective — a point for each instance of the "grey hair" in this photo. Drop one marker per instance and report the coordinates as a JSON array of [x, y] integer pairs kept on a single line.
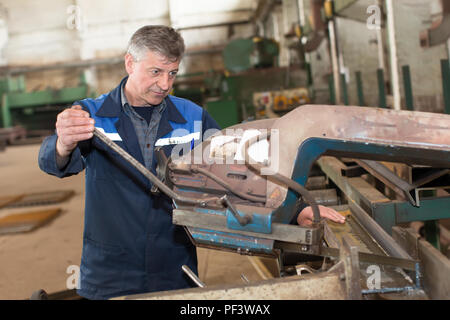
[[160, 39]]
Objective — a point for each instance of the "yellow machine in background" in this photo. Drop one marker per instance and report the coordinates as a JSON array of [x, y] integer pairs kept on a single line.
[[273, 104]]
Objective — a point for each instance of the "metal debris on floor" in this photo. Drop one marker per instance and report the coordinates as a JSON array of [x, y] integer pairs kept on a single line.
[[27, 221], [35, 199]]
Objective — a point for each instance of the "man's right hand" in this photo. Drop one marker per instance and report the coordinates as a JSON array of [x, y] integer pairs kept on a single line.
[[72, 126]]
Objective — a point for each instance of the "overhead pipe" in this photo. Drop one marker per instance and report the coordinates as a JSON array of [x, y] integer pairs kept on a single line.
[[395, 77], [439, 33]]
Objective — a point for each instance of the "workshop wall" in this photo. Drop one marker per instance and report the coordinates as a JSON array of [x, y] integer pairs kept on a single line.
[[37, 32], [100, 29], [46, 32], [359, 49], [412, 17]]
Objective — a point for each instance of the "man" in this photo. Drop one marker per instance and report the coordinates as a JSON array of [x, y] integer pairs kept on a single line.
[[130, 244]]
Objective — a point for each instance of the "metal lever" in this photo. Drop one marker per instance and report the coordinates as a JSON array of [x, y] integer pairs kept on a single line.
[[161, 170], [192, 275], [243, 220], [150, 176]]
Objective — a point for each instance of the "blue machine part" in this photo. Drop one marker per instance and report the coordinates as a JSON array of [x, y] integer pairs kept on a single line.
[[309, 151], [231, 241], [261, 223]]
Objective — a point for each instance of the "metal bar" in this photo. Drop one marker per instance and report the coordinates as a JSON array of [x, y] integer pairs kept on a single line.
[[395, 81], [445, 67], [356, 189], [285, 288], [280, 231], [329, 237], [387, 290], [430, 177], [344, 90], [389, 178], [6, 114], [41, 198], [360, 88], [153, 179], [418, 275], [349, 255], [316, 183], [332, 89], [382, 238], [380, 40], [215, 25], [334, 59], [381, 89], [193, 276], [407, 264], [408, 88], [325, 197], [430, 209], [64, 65]]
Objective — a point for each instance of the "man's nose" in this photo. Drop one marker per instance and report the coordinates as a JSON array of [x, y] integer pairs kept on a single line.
[[164, 82]]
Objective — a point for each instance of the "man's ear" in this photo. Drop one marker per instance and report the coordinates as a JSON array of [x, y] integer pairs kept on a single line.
[[129, 63]]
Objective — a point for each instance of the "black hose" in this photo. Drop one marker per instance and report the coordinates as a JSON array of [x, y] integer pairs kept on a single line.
[[224, 184]]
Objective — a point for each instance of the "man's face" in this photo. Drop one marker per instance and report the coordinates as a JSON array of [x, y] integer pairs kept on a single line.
[[150, 78]]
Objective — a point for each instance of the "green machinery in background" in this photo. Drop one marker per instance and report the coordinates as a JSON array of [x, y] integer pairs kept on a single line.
[[246, 54], [37, 110], [251, 66]]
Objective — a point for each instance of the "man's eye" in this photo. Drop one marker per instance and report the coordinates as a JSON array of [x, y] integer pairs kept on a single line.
[[154, 72], [173, 73]]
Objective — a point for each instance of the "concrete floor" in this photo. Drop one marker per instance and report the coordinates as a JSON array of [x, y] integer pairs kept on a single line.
[[40, 259]]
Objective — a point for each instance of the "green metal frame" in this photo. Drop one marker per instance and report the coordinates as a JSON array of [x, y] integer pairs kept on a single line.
[[387, 213], [392, 213], [344, 90], [360, 88], [408, 88], [331, 89], [381, 89], [445, 67]]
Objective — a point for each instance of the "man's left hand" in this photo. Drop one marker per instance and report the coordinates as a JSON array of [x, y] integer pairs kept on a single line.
[[306, 216]]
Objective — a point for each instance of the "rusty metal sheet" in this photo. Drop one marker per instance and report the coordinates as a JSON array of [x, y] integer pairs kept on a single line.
[[391, 128], [27, 221], [5, 201], [325, 286], [399, 128], [34, 199]]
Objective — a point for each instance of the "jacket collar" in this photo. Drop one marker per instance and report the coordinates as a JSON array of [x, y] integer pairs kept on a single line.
[[112, 106]]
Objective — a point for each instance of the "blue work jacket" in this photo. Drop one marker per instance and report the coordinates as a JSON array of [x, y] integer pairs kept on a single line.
[[129, 243]]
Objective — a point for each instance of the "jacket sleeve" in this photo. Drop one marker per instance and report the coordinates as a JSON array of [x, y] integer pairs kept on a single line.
[[47, 159]]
